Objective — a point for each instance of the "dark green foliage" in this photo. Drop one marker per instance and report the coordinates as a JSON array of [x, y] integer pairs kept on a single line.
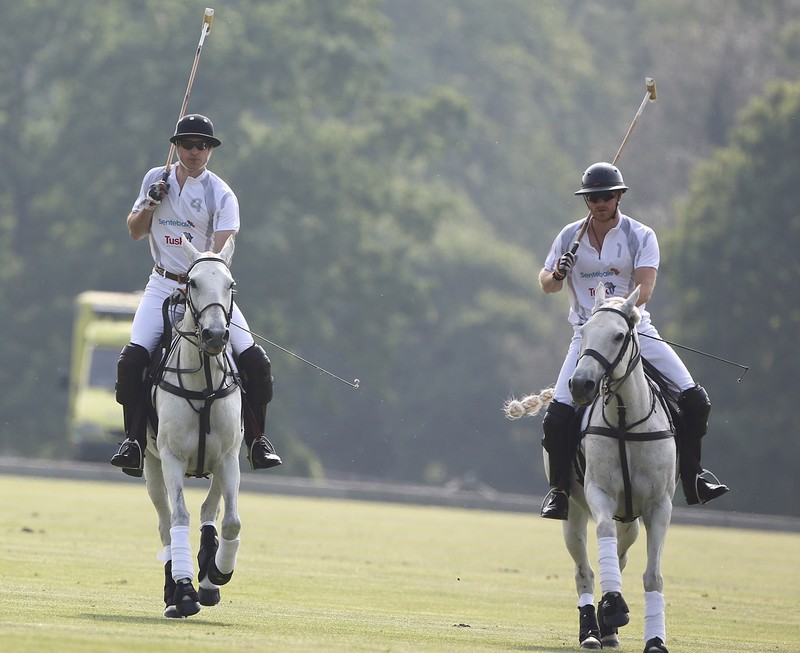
[[733, 262], [402, 168]]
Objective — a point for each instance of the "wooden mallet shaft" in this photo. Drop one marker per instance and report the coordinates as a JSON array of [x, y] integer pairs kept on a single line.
[[650, 96]]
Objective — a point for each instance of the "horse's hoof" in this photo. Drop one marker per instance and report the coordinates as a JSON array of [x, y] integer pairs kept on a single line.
[[208, 596], [655, 645], [187, 602], [614, 610], [216, 576], [187, 607], [608, 635], [589, 631], [171, 612]]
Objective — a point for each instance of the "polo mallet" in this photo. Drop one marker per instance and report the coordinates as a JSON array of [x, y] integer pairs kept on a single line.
[[355, 383], [208, 16], [650, 96], [741, 366]]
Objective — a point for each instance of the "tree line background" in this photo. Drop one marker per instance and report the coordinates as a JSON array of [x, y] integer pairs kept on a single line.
[[402, 168]]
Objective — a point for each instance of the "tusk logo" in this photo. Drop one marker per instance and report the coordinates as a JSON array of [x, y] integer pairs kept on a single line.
[[188, 236]]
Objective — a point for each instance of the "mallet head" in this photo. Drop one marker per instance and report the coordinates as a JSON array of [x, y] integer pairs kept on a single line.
[[650, 83]]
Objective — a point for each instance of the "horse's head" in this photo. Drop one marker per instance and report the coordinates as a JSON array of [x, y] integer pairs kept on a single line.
[[606, 350], [209, 295]]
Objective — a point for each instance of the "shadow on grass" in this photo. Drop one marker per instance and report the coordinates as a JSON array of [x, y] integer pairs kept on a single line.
[[138, 619]]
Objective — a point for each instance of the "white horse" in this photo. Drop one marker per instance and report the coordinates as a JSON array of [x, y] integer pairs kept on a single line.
[[198, 404], [630, 471]]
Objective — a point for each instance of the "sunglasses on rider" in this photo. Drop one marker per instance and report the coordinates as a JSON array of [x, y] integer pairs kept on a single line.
[[605, 195], [189, 145]]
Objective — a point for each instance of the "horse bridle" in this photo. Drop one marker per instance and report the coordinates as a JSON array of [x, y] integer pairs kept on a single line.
[[192, 308], [610, 366]]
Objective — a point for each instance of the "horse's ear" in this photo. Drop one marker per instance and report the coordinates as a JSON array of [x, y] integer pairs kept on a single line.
[[630, 303], [189, 249], [226, 253], [599, 295]]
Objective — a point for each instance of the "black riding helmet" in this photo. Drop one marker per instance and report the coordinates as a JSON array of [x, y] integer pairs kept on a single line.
[[195, 125], [599, 177]]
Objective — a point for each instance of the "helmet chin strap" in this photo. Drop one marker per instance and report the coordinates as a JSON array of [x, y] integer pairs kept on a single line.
[[190, 170]]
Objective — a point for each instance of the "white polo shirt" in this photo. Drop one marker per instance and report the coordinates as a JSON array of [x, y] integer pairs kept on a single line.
[[629, 245], [204, 205]]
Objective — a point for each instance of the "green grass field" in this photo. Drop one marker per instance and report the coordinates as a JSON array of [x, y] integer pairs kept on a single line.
[[79, 573]]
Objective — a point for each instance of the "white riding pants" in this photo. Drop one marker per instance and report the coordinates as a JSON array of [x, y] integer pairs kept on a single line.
[[148, 323], [657, 352]]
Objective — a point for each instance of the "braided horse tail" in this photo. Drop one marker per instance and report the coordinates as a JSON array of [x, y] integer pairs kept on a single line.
[[530, 405]]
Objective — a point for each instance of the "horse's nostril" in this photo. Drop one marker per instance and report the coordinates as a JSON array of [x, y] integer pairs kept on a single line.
[[588, 385], [226, 336], [206, 335]]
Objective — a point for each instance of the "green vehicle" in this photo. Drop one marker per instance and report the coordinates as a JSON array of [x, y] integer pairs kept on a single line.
[[101, 329]]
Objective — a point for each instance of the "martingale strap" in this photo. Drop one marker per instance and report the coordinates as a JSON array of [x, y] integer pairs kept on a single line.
[[630, 437], [622, 435], [208, 397]]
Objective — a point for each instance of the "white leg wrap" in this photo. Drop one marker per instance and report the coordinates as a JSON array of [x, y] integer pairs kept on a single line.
[[654, 622], [610, 575], [226, 555], [585, 599], [166, 555], [182, 565]]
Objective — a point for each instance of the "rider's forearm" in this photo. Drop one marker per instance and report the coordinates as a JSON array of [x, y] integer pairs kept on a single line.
[[646, 278], [548, 282], [139, 223], [220, 238]]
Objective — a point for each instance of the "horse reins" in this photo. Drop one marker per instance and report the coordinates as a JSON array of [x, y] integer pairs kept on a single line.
[[610, 366]]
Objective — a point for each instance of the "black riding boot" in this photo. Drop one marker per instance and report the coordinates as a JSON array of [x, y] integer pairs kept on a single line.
[[255, 369], [560, 449], [131, 366], [695, 407]]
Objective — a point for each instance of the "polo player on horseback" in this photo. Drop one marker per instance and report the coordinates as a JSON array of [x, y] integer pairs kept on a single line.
[[622, 253], [190, 202]]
